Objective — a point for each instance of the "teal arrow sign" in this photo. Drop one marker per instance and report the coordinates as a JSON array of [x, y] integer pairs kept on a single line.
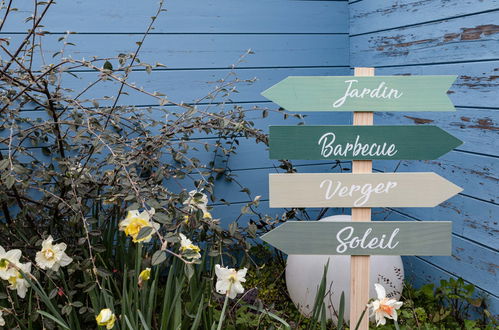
[[363, 238], [351, 93], [360, 142]]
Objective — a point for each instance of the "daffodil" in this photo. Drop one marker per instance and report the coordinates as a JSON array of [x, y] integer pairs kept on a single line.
[[144, 275], [188, 249], [2, 321], [229, 281], [383, 306], [8, 260], [106, 318], [18, 282], [197, 201], [135, 221], [52, 256]]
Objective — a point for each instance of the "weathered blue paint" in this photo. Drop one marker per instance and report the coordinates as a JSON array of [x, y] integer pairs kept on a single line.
[[198, 40], [445, 37]]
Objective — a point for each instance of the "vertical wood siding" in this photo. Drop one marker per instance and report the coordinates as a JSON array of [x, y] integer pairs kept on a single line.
[[410, 37]]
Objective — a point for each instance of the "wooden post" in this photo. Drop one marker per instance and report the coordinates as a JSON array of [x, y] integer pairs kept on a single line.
[[359, 265]]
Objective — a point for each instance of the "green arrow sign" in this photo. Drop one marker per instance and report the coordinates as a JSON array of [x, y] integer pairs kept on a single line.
[[359, 190], [362, 238], [360, 142], [349, 93]]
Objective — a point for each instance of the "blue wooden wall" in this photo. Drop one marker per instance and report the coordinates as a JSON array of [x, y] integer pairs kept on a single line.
[[199, 39], [409, 37]]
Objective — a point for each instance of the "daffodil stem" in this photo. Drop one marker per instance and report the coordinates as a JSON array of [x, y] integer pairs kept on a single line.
[[222, 316]]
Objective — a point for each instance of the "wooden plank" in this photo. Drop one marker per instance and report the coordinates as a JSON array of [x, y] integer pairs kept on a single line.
[[373, 15], [347, 93], [479, 128], [362, 238], [359, 190], [360, 265], [477, 84], [469, 38], [189, 86], [195, 16], [471, 218], [351, 142], [194, 51], [478, 175], [468, 259]]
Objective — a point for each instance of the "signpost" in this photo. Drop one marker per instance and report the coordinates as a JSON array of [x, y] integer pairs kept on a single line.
[[335, 93], [361, 189], [366, 142], [423, 189], [430, 238]]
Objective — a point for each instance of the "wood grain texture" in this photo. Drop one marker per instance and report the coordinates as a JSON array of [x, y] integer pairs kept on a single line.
[[366, 142], [362, 238], [373, 15], [195, 16], [194, 51], [380, 93], [469, 38], [359, 190], [360, 265], [466, 34]]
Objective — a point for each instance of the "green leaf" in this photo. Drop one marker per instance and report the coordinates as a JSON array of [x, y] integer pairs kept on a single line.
[[53, 318], [189, 271], [144, 232], [158, 257], [108, 66]]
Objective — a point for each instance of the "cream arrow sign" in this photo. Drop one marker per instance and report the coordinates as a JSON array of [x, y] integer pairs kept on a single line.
[[425, 189]]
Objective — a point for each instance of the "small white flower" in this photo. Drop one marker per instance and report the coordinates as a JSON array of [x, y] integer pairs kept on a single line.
[[7, 260], [383, 306], [191, 251], [135, 221], [18, 282], [198, 202], [2, 321], [52, 256], [229, 281]]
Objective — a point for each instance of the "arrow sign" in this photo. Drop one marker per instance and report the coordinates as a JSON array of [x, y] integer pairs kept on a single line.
[[425, 189], [377, 93], [362, 238], [360, 142]]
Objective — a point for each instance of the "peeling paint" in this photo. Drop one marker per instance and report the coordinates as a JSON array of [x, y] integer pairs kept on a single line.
[[479, 31], [420, 120]]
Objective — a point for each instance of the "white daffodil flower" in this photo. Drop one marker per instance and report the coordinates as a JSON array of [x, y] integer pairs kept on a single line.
[[135, 221], [106, 318], [7, 260], [188, 249], [52, 256], [198, 202], [2, 321], [229, 281], [18, 282], [383, 306]]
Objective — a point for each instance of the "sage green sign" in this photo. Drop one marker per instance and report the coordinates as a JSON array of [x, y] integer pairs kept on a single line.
[[360, 142], [352, 93], [425, 189], [363, 238]]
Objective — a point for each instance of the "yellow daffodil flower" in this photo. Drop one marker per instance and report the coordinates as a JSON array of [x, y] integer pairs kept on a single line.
[[135, 221], [106, 318], [188, 249]]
